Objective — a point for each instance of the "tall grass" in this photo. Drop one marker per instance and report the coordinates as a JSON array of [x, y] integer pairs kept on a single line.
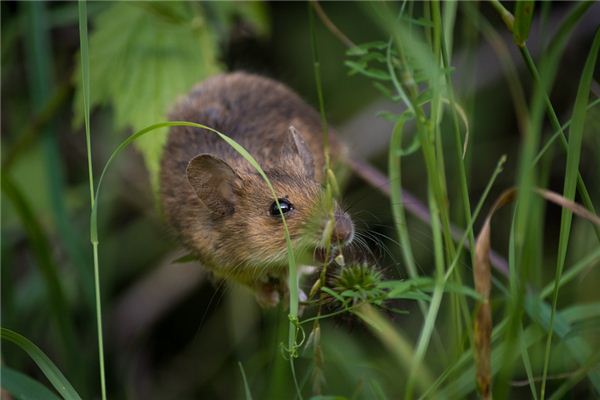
[[513, 329], [85, 72]]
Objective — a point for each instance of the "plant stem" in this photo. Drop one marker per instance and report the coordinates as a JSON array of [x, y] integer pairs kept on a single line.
[[85, 70]]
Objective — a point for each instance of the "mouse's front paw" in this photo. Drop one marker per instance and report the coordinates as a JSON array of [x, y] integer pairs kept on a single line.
[[268, 293]]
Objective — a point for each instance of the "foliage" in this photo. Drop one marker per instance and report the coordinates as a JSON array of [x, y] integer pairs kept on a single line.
[[163, 49], [453, 319]]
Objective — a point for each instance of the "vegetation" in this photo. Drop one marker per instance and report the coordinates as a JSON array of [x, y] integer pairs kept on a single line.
[[486, 111]]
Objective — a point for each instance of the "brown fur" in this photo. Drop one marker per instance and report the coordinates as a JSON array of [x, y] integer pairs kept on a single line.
[[220, 207]]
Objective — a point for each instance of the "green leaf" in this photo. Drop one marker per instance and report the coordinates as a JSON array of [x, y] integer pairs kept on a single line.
[[413, 288], [523, 15], [361, 68], [56, 378], [464, 383], [22, 387], [142, 57], [571, 175], [333, 294], [42, 251], [578, 348], [364, 48]]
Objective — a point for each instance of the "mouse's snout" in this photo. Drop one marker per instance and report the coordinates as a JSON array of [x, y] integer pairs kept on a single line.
[[343, 231]]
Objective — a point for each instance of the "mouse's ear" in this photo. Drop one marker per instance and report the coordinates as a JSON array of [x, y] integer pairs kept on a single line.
[[294, 145], [214, 181]]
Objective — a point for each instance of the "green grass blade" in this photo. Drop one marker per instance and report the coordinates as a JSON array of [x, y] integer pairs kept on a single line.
[[464, 383], [394, 168], [527, 365], [572, 272], [563, 389], [462, 364], [558, 132], [507, 17], [469, 230], [581, 312], [40, 77], [56, 378], [395, 342], [523, 16], [556, 48], [571, 174], [247, 392], [527, 213], [436, 299], [23, 387], [42, 252], [578, 348], [85, 72]]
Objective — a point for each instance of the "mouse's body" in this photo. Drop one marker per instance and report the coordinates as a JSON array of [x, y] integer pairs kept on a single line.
[[219, 205]]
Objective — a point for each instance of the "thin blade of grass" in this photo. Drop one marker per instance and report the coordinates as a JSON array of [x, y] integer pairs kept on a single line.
[[482, 255], [395, 342], [247, 392], [556, 48], [563, 389], [85, 72], [469, 230], [522, 23], [48, 269], [42, 85], [577, 347], [464, 383], [56, 378], [23, 387], [507, 17], [572, 272], [394, 168], [527, 364], [498, 331], [558, 132], [571, 174]]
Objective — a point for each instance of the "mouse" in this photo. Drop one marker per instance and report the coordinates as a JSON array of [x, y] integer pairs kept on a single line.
[[219, 206]]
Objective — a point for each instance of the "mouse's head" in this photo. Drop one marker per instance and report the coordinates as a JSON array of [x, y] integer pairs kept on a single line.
[[245, 215]]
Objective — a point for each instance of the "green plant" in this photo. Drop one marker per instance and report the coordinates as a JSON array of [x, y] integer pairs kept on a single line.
[[441, 321]]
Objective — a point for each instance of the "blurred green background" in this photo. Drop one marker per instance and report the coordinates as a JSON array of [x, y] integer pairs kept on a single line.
[[170, 331]]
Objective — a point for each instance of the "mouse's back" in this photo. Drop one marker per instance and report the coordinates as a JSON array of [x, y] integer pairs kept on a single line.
[[253, 110], [216, 202]]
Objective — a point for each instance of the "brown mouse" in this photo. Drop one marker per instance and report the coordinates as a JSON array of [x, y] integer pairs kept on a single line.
[[218, 204]]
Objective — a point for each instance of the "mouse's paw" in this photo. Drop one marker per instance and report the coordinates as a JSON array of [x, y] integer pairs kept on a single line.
[[270, 291], [267, 295]]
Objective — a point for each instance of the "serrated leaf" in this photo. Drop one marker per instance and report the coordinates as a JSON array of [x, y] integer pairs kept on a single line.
[[142, 58]]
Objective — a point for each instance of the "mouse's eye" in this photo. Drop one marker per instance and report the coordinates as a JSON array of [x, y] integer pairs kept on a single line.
[[285, 205]]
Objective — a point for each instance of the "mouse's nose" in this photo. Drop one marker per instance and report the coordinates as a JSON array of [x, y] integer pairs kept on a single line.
[[343, 232]]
